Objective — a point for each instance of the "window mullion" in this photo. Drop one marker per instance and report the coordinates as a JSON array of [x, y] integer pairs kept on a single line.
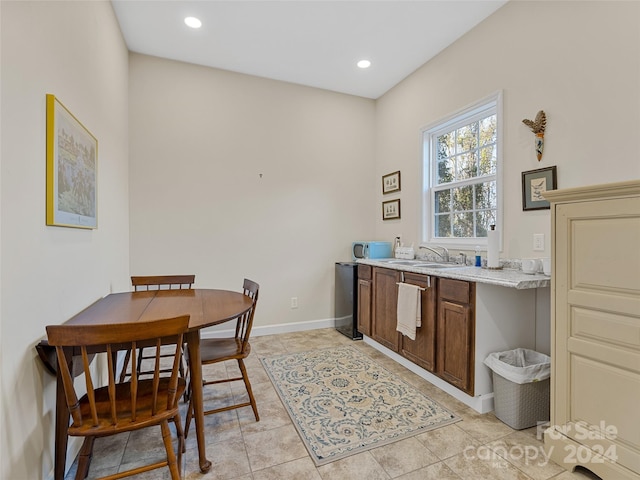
[[465, 182]]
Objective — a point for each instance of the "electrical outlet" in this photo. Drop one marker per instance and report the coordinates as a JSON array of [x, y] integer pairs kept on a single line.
[[294, 302], [538, 242]]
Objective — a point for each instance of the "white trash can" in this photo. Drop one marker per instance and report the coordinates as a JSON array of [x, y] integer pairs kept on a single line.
[[520, 386]]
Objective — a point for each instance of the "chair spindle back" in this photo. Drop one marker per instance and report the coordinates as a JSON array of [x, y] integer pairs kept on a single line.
[[158, 282], [109, 410], [245, 321]]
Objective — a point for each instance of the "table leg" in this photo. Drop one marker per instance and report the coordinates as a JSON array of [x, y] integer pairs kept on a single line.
[[195, 368], [62, 423]]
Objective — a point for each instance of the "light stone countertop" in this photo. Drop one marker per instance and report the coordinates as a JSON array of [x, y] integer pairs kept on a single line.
[[510, 278]]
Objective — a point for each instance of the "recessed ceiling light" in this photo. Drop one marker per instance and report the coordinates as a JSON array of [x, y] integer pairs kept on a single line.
[[193, 22], [364, 64]]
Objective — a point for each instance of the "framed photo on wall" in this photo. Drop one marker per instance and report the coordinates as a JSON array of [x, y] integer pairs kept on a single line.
[[391, 209], [534, 184], [72, 168], [391, 182]]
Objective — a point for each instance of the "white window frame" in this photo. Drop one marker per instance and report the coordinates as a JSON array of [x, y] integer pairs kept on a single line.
[[492, 103]]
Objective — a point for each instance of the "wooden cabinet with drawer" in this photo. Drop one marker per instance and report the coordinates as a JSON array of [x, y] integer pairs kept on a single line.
[[463, 321], [456, 333], [445, 341]]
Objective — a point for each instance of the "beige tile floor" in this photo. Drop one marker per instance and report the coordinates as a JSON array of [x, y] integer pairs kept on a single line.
[[478, 447]]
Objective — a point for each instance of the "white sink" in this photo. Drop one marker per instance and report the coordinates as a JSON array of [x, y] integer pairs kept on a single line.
[[437, 265], [404, 262], [422, 264]]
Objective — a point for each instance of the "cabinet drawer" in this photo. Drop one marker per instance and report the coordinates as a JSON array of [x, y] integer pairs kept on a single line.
[[456, 290], [364, 272]]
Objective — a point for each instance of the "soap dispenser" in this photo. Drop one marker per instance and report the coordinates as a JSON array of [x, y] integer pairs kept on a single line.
[[396, 247]]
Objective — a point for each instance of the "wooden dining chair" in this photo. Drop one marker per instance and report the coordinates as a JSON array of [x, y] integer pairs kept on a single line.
[[122, 407], [216, 350], [156, 282]]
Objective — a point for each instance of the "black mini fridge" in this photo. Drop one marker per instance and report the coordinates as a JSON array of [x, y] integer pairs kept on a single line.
[[346, 301]]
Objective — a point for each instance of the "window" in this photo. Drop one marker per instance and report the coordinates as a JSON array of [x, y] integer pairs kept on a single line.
[[461, 181]]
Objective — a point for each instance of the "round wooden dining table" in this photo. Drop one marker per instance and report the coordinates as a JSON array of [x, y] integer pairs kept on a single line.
[[205, 307]]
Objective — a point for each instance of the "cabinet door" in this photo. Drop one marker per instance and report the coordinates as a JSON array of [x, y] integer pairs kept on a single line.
[[385, 301], [364, 307], [422, 350], [456, 333], [597, 329], [364, 299]]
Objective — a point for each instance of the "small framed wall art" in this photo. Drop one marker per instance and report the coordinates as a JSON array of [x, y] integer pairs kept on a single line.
[[534, 184], [72, 156], [391, 209], [391, 182]]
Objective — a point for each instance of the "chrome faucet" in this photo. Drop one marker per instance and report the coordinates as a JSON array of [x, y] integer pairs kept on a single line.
[[444, 254]]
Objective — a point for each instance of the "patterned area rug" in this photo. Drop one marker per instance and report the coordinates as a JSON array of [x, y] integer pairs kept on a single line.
[[343, 403]]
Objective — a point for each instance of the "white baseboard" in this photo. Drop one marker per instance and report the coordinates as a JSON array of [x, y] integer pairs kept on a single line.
[[261, 330], [480, 403], [73, 449]]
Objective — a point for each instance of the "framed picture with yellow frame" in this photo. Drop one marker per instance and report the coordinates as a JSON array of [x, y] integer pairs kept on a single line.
[[72, 168]]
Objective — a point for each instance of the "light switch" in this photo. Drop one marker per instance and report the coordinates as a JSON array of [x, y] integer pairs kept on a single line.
[[538, 242]]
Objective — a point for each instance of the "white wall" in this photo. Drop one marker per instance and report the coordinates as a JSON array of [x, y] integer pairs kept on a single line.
[[577, 61], [200, 140], [75, 51]]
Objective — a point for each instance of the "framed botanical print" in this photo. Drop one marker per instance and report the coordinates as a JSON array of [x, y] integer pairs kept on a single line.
[[391, 182], [391, 209], [534, 184]]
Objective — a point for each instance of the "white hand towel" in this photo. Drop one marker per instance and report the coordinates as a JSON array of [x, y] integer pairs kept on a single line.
[[409, 310]]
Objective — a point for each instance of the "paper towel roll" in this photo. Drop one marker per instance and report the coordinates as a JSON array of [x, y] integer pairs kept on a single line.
[[493, 248]]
